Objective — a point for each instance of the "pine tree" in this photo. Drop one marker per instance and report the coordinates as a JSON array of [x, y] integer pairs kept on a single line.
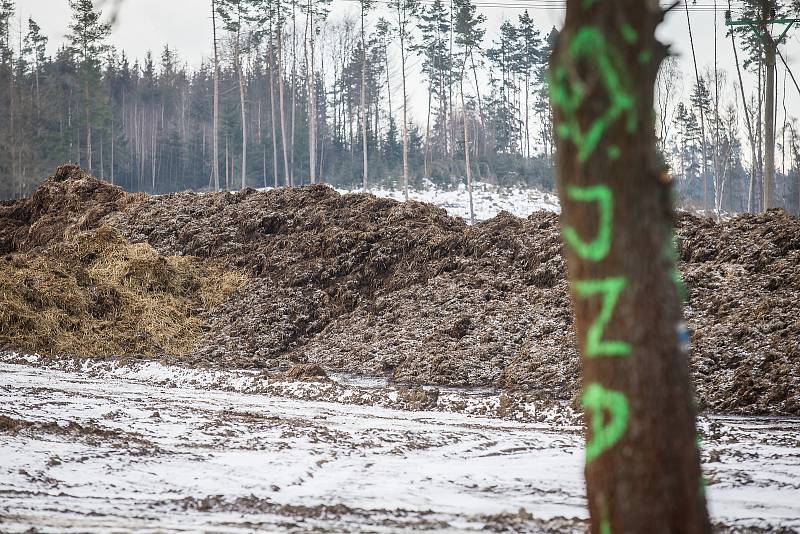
[[87, 43]]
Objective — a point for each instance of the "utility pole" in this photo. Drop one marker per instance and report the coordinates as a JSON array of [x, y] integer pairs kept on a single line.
[[770, 44]]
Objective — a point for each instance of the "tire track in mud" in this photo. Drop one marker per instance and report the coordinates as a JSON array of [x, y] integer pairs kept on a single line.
[[71, 454]]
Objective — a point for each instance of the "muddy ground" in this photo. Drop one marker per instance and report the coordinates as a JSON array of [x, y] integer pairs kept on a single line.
[[154, 448], [375, 287]]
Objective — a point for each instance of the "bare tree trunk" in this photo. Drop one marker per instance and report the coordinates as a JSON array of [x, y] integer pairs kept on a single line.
[[112, 151], [215, 158], [478, 96], [527, 115], [405, 117], [467, 163], [154, 151], [642, 461], [286, 175], [750, 136], [769, 112], [364, 101], [294, 91], [428, 129], [243, 104], [717, 186], [88, 125], [759, 186], [312, 108], [272, 111], [451, 123], [702, 113]]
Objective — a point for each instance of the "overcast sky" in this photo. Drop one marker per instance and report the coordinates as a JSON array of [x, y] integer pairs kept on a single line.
[[185, 25]]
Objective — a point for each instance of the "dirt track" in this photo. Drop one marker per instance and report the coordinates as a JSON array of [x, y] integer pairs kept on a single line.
[[376, 287]]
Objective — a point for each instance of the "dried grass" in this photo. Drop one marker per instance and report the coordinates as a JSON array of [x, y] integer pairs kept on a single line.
[[95, 294]]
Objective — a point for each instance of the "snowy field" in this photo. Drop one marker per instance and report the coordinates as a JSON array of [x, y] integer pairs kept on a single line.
[[154, 448], [488, 200]]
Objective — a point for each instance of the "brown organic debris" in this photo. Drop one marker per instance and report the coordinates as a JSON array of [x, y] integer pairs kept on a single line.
[[371, 286]]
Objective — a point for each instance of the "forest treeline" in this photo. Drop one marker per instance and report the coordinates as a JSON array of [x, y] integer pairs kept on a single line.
[[292, 95]]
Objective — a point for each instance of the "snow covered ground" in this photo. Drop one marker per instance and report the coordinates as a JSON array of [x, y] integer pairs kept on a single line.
[[488, 200], [154, 448]]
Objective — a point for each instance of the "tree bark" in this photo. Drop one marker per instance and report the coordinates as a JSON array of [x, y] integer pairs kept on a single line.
[[405, 116], [294, 93], [215, 162], [272, 111], [704, 165], [467, 163], [750, 136], [642, 461], [312, 108], [243, 104], [364, 100], [286, 176], [769, 112]]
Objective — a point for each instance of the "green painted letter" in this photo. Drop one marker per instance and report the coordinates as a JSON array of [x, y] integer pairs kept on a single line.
[[599, 400], [597, 249], [610, 288]]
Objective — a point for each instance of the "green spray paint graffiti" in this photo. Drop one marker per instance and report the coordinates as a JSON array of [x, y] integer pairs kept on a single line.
[[601, 401], [610, 288], [598, 248], [568, 93]]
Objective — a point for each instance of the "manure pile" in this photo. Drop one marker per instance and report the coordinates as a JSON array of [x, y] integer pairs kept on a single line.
[[371, 286], [72, 286]]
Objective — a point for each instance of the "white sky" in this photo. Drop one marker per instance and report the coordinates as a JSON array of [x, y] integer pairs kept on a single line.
[[185, 25]]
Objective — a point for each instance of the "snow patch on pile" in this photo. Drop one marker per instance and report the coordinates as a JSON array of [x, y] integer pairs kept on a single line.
[[488, 199]]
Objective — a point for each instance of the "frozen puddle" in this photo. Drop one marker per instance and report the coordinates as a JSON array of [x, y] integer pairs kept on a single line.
[[96, 454]]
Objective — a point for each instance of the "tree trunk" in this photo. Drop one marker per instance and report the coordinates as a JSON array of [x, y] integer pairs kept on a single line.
[[428, 130], [294, 94], [286, 175], [478, 96], [312, 108], [467, 163], [240, 72], [704, 165], [451, 123], [364, 101], [405, 117], [750, 136], [88, 125], [642, 461], [112, 151], [215, 159], [769, 116], [272, 111]]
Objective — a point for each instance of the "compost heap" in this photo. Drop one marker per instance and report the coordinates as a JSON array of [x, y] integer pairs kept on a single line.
[[69, 285], [371, 286]]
